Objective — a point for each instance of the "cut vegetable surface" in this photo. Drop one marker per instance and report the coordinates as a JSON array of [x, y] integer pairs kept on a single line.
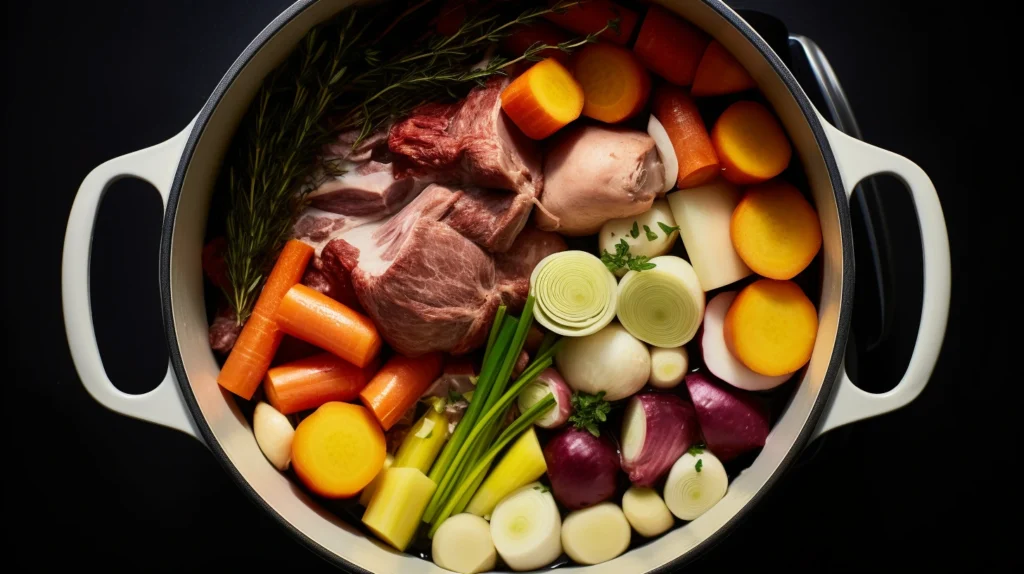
[[254, 349], [670, 46], [395, 510], [596, 534], [274, 435], [662, 306], [526, 528], [732, 422], [646, 511], [338, 450], [316, 318], [548, 382], [367, 493], [669, 366], [463, 544], [717, 357], [582, 468], [665, 151], [697, 159], [719, 73], [308, 383], [425, 439], [775, 230], [650, 234], [615, 84], [703, 215], [576, 294], [521, 465], [696, 482], [771, 327], [398, 385], [750, 143], [657, 428], [543, 99], [610, 361], [590, 16]]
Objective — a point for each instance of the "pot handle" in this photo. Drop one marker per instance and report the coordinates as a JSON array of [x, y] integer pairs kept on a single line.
[[163, 405], [858, 160]]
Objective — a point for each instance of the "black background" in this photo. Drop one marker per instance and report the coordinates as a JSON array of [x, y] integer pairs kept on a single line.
[[924, 487]]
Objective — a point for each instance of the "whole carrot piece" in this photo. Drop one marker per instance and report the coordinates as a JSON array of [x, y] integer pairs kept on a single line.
[[676, 110], [250, 358], [398, 385], [308, 383], [316, 318]]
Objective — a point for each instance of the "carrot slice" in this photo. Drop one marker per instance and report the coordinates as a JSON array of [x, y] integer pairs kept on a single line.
[[720, 73], [771, 326], [615, 84], [250, 358], [751, 143], [538, 32], [775, 230], [398, 385], [589, 16], [677, 112], [543, 99], [338, 450], [670, 46], [316, 318], [308, 383]]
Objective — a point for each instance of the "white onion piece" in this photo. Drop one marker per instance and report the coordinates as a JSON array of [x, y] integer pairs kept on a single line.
[[689, 492], [646, 511], [666, 151], [717, 357], [610, 360], [274, 435], [526, 528], [616, 230], [463, 544], [596, 534], [662, 306], [669, 366], [576, 294]]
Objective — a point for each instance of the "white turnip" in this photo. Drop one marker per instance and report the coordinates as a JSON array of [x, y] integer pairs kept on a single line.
[[610, 360], [596, 534]]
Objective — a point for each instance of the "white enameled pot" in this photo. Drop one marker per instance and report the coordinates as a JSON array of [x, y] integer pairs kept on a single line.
[[184, 168]]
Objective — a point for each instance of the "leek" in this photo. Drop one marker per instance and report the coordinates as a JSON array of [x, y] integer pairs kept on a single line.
[[367, 493], [663, 306], [396, 508], [521, 465], [575, 292], [424, 441]]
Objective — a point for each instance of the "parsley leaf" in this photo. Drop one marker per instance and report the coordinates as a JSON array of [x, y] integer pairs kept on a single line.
[[651, 236], [454, 397], [696, 449], [667, 229], [588, 411], [699, 465], [635, 232], [541, 488], [622, 258]]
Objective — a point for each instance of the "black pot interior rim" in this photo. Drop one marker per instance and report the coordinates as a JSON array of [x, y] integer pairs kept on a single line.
[[835, 361]]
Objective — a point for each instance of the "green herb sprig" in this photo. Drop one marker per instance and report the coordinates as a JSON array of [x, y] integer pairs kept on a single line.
[[624, 259], [589, 411]]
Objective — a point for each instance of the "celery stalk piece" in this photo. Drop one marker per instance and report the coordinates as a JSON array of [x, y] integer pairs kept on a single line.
[[395, 509], [424, 442], [521, 465], [369, 489]]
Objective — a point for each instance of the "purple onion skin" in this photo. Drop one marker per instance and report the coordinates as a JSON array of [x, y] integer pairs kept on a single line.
[[562, 393], [672, 428], [583, 469], [732, 422]]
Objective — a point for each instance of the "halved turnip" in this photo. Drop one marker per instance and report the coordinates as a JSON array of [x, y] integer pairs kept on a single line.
[[596, 534], [732, 421], [657, 428], [549, 381], [717, 357], [696, 482]]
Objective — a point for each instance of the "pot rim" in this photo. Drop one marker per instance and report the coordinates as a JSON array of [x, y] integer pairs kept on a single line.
[[820, 402]]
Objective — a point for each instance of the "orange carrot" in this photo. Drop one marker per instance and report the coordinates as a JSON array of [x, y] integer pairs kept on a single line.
[[615, 84], [543, 99], [589, 16], [539, 32], [316, 318], [771, 326], [775, 231], [698, 162], [750, 143], [670, 46], [338, 450], [398, 385], [308, 383], [254, 350], [719, 73]]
